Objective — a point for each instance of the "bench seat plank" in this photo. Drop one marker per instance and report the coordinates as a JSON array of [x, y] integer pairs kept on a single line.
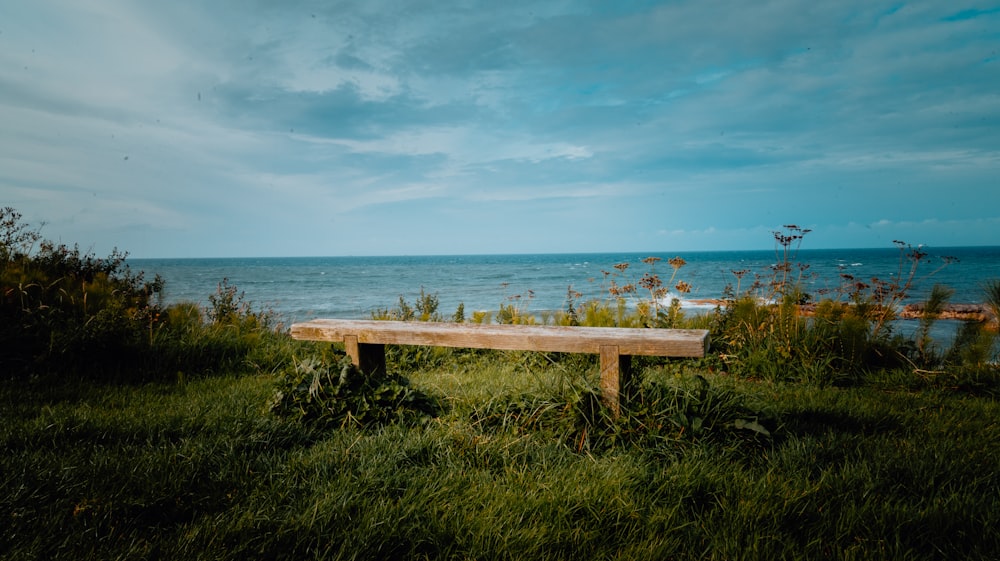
[[545, 338]]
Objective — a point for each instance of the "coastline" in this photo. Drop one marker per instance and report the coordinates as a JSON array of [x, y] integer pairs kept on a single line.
[[352, 287], [980, 313]]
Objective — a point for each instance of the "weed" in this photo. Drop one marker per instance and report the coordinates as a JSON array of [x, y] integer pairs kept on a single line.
[[336, 393], [424, 308]]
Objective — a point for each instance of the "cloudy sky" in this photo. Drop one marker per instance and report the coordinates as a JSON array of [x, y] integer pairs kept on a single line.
[[260, 128]]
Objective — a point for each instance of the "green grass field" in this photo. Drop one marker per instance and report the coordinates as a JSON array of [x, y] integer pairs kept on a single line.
[[200, 470]]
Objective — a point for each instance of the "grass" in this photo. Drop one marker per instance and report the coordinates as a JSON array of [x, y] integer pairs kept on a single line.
[[199, 470]]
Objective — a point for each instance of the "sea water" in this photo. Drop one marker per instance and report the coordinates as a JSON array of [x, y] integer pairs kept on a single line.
[[300, 288]]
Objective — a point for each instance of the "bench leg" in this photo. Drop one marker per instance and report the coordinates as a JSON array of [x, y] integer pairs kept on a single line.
[[369, 358], [615, 376]]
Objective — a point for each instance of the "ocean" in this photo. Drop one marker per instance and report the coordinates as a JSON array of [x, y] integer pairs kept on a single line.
[[301, 288]]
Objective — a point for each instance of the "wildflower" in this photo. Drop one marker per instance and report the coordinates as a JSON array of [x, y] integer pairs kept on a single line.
[[650, 281]]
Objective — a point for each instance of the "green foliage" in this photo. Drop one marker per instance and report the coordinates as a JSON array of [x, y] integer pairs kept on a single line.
[[660, 418], [513, 314], [66, 312], [514, 310], [523, 414], [66, 309], [991, 292], [16, 238], [774, 342], [425, 308], [337, 393], [773, 330], [672, 317], [666, 418], [228, 305], [933, 307], [972, 346]]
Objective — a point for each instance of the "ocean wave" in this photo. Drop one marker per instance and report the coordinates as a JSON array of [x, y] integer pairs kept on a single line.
[[689, 303]]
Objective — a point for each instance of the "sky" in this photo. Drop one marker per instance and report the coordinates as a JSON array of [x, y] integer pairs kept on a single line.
[[258, 128]]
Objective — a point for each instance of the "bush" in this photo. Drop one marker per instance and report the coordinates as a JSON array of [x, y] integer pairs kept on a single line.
[[66, 309], [68, 312], [337, 393]]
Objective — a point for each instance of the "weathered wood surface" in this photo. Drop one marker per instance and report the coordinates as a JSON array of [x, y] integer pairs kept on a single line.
[[548, 338], [365, 340]]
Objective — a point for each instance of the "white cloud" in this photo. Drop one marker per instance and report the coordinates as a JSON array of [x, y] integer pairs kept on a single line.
[[462, 146]]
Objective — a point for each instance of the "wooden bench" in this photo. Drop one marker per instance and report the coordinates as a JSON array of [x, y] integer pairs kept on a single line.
[[365, 340]]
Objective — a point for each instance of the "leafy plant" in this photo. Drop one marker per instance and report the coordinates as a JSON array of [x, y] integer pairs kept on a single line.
[[424, 308], [337, 393], [228, 304]]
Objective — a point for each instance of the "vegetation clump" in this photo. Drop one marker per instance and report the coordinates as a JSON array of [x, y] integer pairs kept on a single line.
[[774, 330], [336, 393], [662, 418], [65, 312]]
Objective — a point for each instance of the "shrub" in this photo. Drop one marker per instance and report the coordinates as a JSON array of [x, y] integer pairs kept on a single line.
[[424, 308], [68, 312], [65, 309], [774, 330], [337, 393]]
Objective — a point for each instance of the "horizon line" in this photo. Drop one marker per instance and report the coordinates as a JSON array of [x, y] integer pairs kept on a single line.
[[633, 252]]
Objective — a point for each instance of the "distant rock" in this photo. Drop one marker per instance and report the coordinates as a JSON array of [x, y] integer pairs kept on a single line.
[[963, 312]]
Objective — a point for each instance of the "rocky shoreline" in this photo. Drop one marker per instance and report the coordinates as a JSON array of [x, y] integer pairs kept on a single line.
[[961, 312], [957, 312]]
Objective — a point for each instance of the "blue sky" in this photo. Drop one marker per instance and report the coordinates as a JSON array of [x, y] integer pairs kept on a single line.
[[251, 128]]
